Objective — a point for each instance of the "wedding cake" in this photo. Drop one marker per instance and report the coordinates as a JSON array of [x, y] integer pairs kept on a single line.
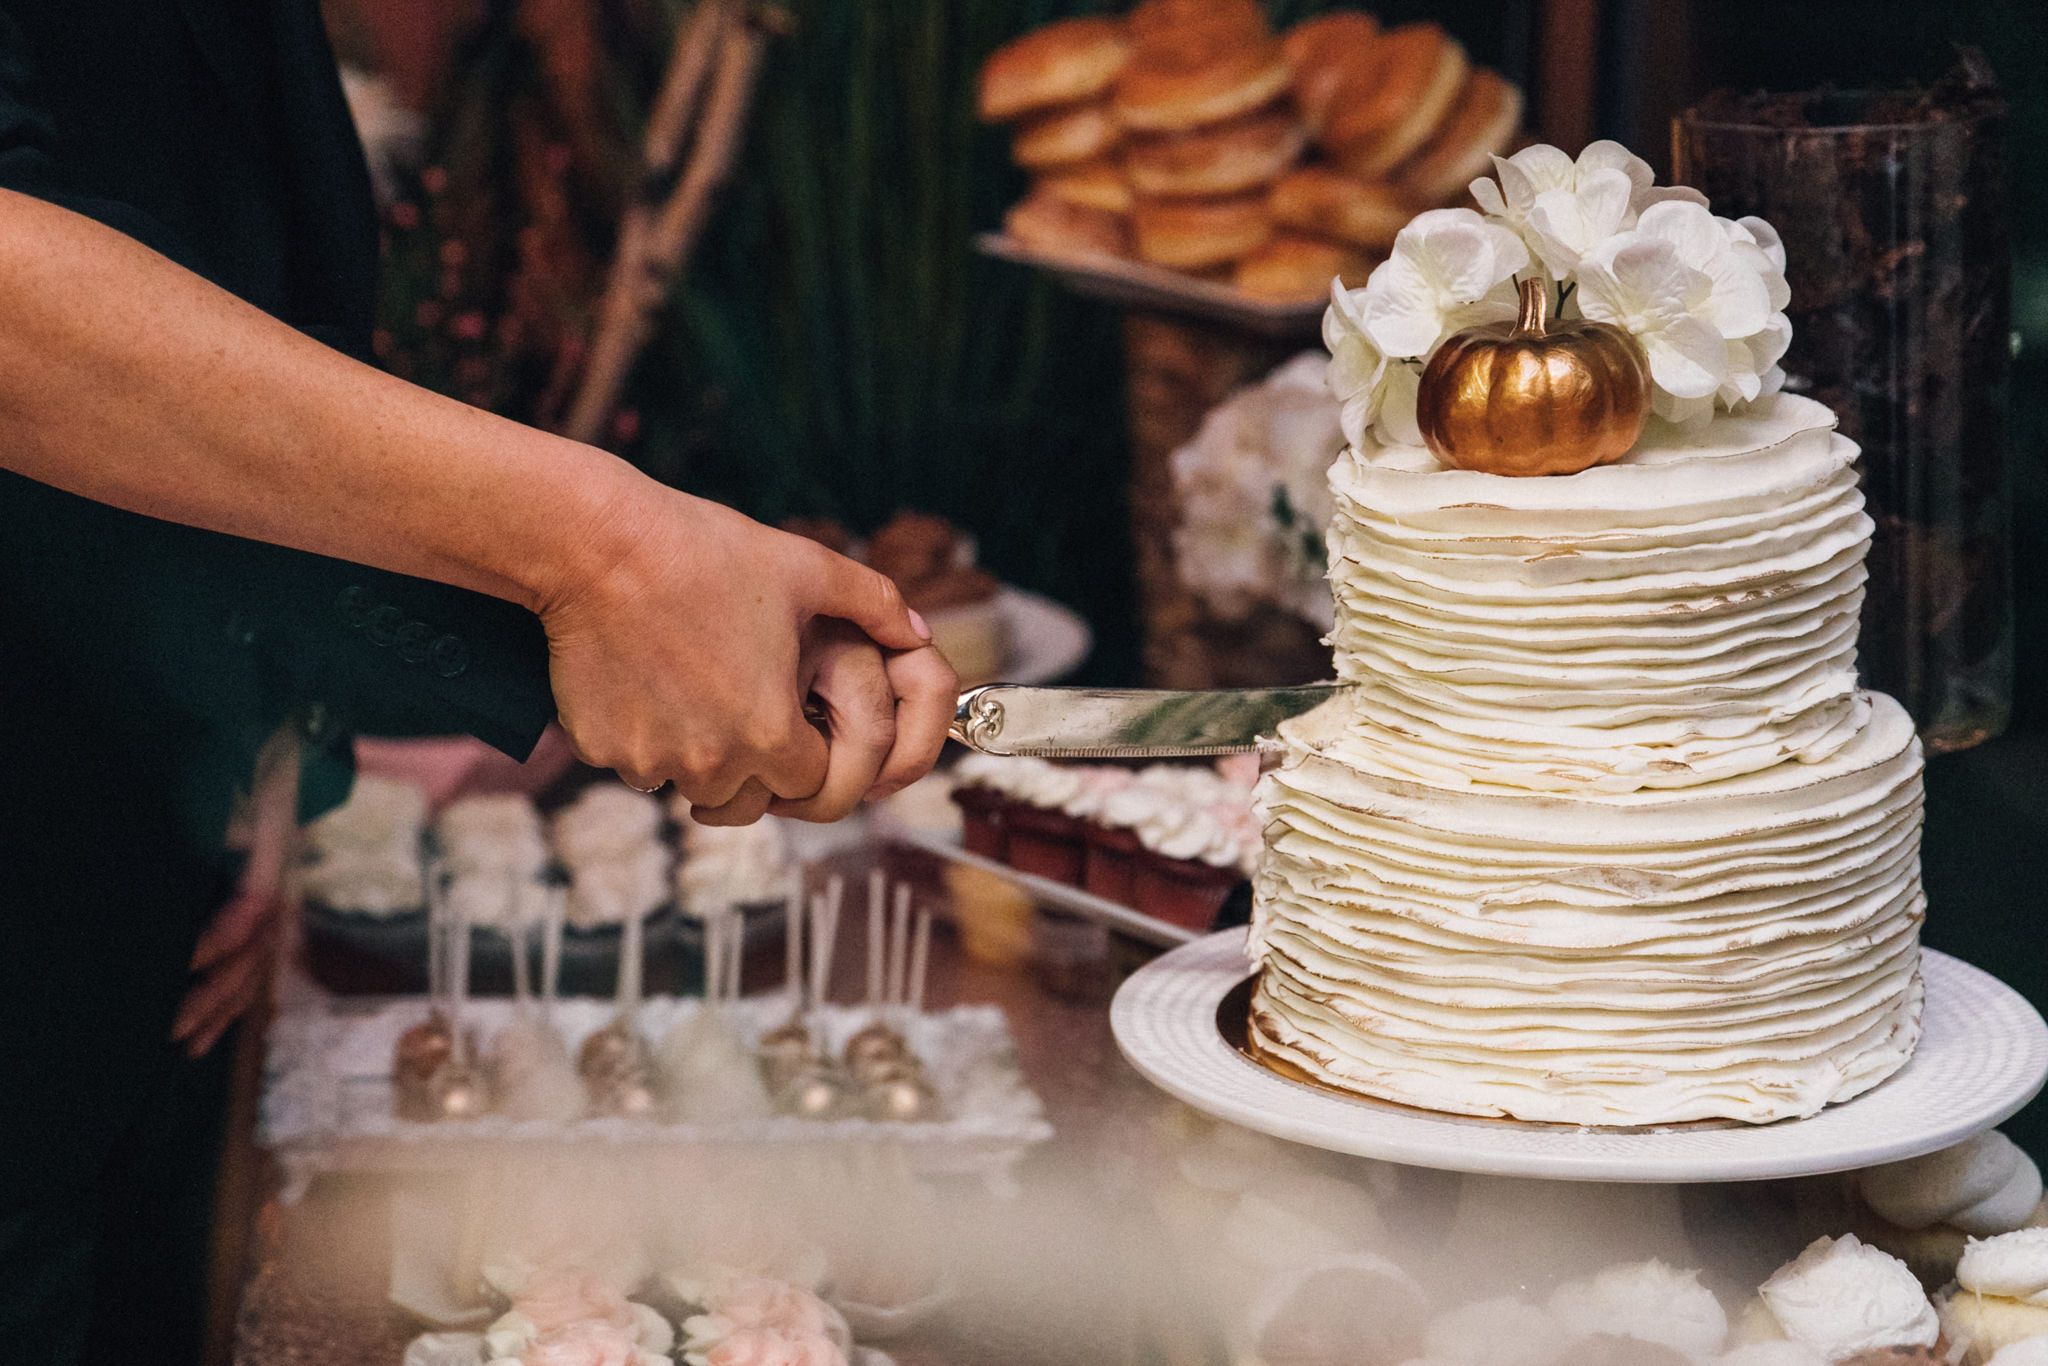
[[1604, 832]]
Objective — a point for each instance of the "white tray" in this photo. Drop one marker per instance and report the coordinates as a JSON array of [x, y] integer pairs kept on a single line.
[[1138, 285], [328, 1102], [1058, 895], [1983, 1054]]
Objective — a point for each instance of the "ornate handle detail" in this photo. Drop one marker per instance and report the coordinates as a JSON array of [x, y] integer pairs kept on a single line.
[[978, 720]]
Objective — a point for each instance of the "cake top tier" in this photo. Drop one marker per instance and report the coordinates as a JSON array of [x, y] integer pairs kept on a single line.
[[1685, 616]]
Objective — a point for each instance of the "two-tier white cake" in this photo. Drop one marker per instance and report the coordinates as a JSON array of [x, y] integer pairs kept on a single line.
[[1605, 833]]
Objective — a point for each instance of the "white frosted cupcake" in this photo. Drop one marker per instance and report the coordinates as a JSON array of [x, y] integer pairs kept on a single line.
[[2000, 1298]]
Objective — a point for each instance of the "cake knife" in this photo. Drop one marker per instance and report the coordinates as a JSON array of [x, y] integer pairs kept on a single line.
[[1129, 723]]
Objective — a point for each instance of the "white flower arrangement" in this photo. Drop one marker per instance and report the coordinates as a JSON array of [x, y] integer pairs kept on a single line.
[[1254, 496], [1703, 296]]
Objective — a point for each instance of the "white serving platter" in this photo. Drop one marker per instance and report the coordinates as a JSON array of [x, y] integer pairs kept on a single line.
[[328, 1102], [1135, 284], [1058, 895], [1983, 1055]]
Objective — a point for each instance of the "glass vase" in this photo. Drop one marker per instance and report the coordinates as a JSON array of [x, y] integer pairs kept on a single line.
[[1897, 238]]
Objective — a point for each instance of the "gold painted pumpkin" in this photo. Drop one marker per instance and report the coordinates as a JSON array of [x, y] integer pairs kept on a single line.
[[1539, 397]]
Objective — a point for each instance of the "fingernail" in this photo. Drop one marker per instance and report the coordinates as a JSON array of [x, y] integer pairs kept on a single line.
[[924, 632]]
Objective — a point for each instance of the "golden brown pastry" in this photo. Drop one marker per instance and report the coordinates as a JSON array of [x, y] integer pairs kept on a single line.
[[1482, 123], [1059, 227], [1254, 150], [1389, 107], [1062, 63], [1078, 132], [1323, 52], [1198, 62], [1326, 203], [1097, 184], [1293, 267], [1194, 234]]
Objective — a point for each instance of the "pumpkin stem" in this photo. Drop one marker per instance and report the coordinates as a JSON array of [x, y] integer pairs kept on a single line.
[[1534, 296]]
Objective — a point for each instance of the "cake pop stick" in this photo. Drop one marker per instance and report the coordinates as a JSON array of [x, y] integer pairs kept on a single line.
[[878, 891], [552, 910], [793, 955], [824, 938], [920, 955], [899, 945], [522, 987]]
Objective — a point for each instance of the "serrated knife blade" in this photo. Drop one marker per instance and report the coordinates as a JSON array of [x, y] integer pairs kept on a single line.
[[1127, 723]]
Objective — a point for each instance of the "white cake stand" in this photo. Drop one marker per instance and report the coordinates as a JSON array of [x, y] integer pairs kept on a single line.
[[1983, 1054]]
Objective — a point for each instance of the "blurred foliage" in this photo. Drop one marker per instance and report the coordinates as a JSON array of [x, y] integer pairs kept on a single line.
[[838, 348]]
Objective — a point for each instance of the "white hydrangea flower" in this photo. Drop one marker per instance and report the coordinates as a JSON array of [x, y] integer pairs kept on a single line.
[[1564, 208], [1641, 285], [1358, 372], [1450, 270]]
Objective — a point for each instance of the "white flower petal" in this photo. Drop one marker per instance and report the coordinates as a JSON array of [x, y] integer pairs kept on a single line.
[[1529, 173], [1486, 192], [1608, 155], [1688, 227], [1766, 237], [1403, 314], [1769, 345], [1397, 405], [1667, 194], [1688, 359]]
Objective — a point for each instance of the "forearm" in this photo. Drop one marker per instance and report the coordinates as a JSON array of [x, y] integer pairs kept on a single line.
[[129, 380]]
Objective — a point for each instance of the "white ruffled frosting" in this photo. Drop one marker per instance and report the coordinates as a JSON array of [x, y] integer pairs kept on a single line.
[[1746, 949], [365, 854], [1648, 1301], [2012, 1266], [1842, 1297], [1605, 833], [1686, 614], [1982, 1186]]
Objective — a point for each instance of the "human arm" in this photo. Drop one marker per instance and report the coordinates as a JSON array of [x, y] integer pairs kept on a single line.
[[673, 624]]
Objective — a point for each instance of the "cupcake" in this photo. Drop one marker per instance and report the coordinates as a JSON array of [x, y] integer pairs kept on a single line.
[[1846, 1301], [609, 839], [2000, 1297], [1923, 1209], [1040, 836], [1190, 825], [1110, 867], [982, 830], [364, 856], [932, 561]]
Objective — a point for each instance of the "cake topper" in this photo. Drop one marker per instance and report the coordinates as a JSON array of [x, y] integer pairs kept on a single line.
[[1537, 397]]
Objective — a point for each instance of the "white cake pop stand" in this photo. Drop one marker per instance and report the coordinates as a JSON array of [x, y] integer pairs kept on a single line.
[[1983, 1054]]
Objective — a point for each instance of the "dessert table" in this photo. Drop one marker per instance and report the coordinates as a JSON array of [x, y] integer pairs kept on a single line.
[[315, 1296], [313, 1276]]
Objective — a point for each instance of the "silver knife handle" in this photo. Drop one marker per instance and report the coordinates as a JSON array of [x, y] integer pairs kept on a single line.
[[978, 717]]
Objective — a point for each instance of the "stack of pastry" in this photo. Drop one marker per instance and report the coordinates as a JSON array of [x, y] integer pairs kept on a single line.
[[1188, 136]]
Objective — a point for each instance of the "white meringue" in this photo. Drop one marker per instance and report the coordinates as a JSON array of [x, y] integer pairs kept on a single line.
[[1841, 1297], [1648, 1301], [2011, 1266]]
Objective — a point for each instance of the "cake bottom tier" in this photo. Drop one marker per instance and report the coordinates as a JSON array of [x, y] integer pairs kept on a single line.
[[1745, 949]]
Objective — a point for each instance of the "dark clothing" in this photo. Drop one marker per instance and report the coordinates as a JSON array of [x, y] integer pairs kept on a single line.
[[142, 663]]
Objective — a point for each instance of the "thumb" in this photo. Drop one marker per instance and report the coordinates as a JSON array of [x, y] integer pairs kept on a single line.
[[852, 592]]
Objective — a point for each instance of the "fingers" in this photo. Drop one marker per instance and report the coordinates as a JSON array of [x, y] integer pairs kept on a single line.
[[233, 926], [748, 805], [927, 691], [852, 592], [220, 998], [852, 681]]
